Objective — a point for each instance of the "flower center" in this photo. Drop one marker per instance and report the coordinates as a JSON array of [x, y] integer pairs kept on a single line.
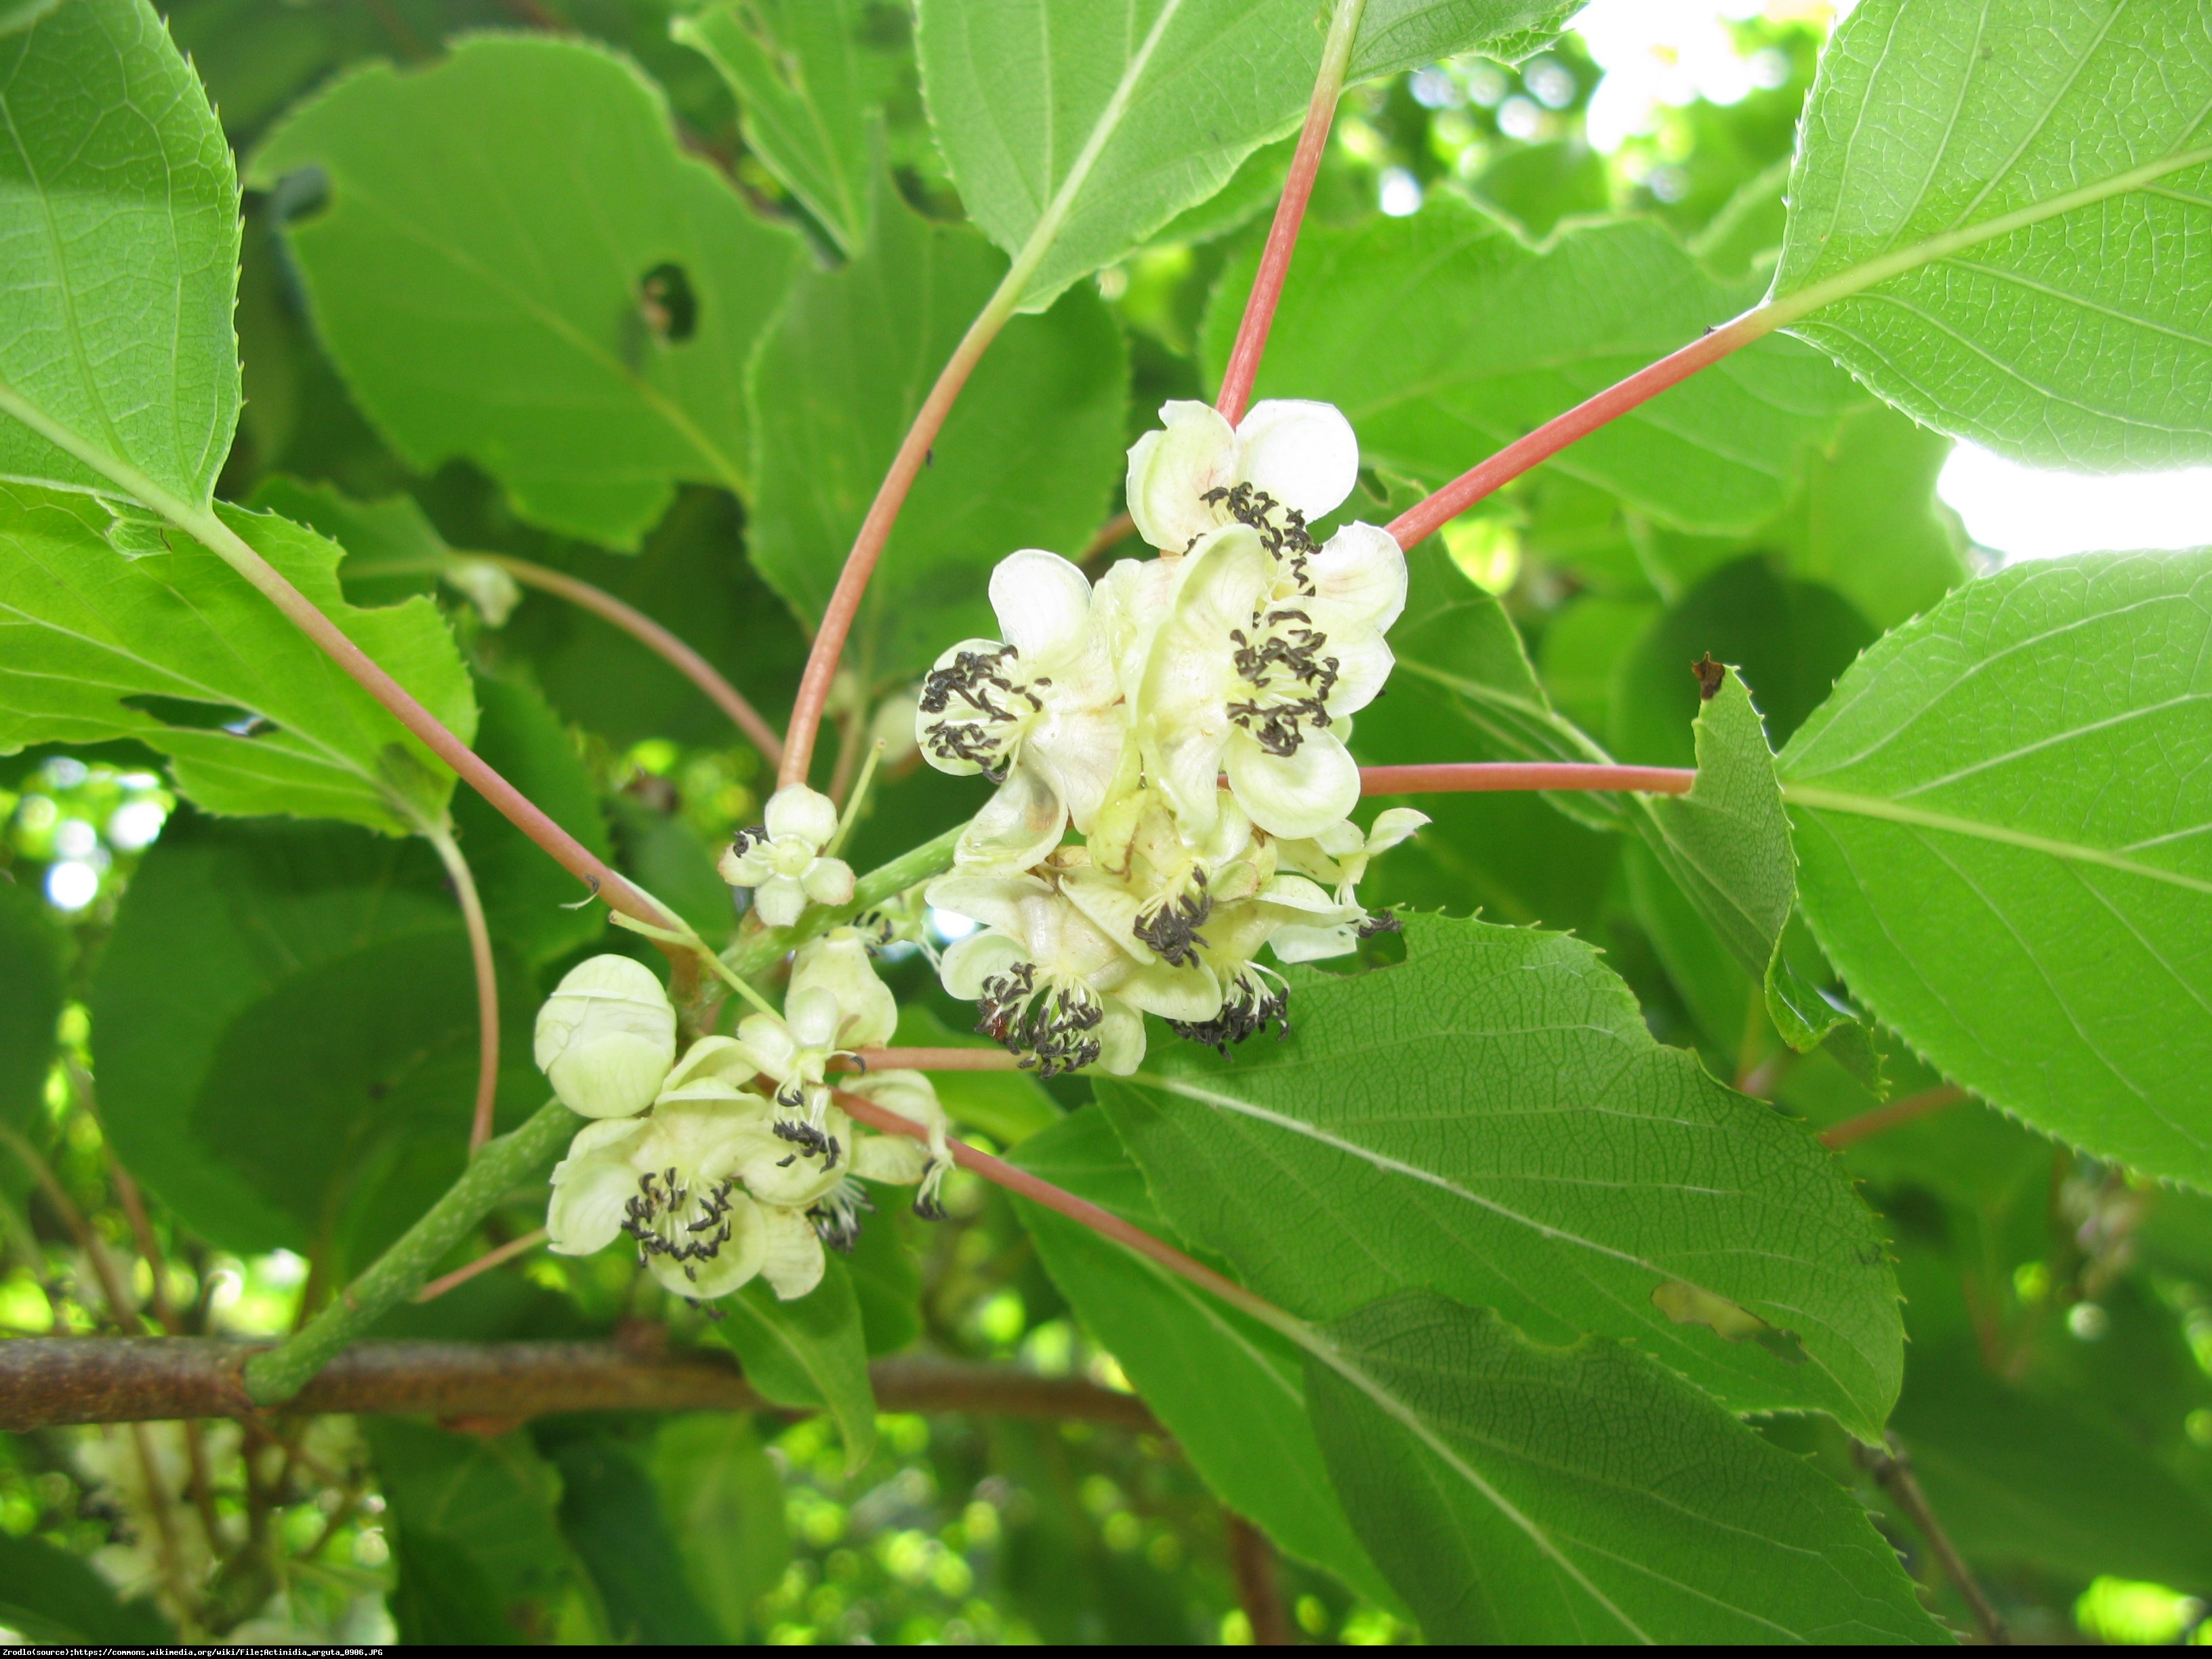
[[667, 1216], [1052, 1024], [1251, 1005], [1280, 658], [837, 1214], [1282, 529], [1169, 920], [984, 708]]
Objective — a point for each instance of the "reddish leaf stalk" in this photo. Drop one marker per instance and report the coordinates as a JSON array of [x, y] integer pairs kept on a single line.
[[1424, 518], [935, 1059], [487, 978], [1102, 1221], [875, 531], [653, 637], [1243, 365], [1474, 776], [1926, 1103], [484, 1263]]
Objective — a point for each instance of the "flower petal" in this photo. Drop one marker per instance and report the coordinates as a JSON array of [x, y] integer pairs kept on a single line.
[[896, 1159], [780, 901], [1360, 573], [1193, 993], [1364, 662], [1295, 794], [1079, 750], [1120, 1039], [796, 810], [767, 1044], [738, 1260], [1303, 453], [839, 965], [828, 881], [1043, 606], [1392, 827], [968, 962], [590, 1186], [1171, 470], [1303, 943], [791, 1257], [1019, 825], [813, 1012]]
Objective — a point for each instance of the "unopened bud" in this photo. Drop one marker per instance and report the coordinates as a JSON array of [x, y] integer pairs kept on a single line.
[[606, 1037]]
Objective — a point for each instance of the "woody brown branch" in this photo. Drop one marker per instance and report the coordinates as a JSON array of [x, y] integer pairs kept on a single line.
[[48, 1381]]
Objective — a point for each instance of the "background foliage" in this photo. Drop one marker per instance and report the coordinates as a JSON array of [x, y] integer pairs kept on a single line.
[[646, 292]]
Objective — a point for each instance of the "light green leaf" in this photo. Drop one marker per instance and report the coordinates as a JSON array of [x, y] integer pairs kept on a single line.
[[722, 1501], [518, 265], [480, 1560], [2001, 211], [1030, 457], [802, 97], [810, 1354], [2004, 822], [48, 1594], [1075, 129], [1443, 337], [1492, 1120], [1230, 1390], [285, 1033], [118, 216], [1518, 1493], [110, 630]]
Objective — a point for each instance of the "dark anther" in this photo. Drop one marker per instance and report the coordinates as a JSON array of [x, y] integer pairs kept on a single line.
[[810, 1140], [1383, 923], [974, 677], [1050, 1029], [1250, 1007], [925, 1205], [745, 839], [1711, 676], [1170, 923], [1282, 529], [787, 1161]]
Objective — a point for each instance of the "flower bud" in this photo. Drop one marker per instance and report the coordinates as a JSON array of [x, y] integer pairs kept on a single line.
[[606, 1037]]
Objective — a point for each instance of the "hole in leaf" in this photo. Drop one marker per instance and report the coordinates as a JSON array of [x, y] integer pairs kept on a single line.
[[670, 309], [187, 714], [299, 195], [1687, 1304]]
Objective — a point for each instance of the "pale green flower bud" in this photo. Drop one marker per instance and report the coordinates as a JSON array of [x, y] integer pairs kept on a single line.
[[606, 1037]]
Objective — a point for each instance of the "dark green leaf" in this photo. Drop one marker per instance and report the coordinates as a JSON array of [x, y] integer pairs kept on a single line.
[[1007, 1106], [808, 1354], [285, 1032], [1523, 1494], [1443, 337], [722, 1502], [1029, 457], [886, 1278], [102, 638], [518, 264], [471, 1518], [1492, 1120], [118, 210], [30, 1001], [611, 1516], [2000, 815], [50, 1595]]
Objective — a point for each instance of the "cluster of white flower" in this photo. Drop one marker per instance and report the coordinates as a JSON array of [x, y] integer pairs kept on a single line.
[[788, 860], [1187, 717], [734, 1161]]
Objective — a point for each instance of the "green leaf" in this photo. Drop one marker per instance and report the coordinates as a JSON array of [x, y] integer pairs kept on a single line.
[[2001, 817], [49, 1595], [1230, 1390], [30, 1001], [1029, 457], [886, 1278], [611, 1516], [722, 1502], [1491, 1121], [100, 640], [119, 210], [285, 1034], [1075, 132], [473, 1534], [797, 69], [2022, 1477], [518, 265], [1443, 337], [810, 1354], [2001, 210], [1519, 1493], [1536, 185]]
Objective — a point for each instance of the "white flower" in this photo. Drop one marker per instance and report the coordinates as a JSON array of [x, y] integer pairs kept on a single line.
[[1038, 714], [1339, 855], [1151, 887], [782, 862], [900, 1160], [1257, 660], [835, 1004], [1285, 463], [606, 1037], [670, 1181], [1053, 987]]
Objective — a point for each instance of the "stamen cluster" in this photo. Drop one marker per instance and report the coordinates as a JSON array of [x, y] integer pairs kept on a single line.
[[1185, 719], [732, 1162]]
